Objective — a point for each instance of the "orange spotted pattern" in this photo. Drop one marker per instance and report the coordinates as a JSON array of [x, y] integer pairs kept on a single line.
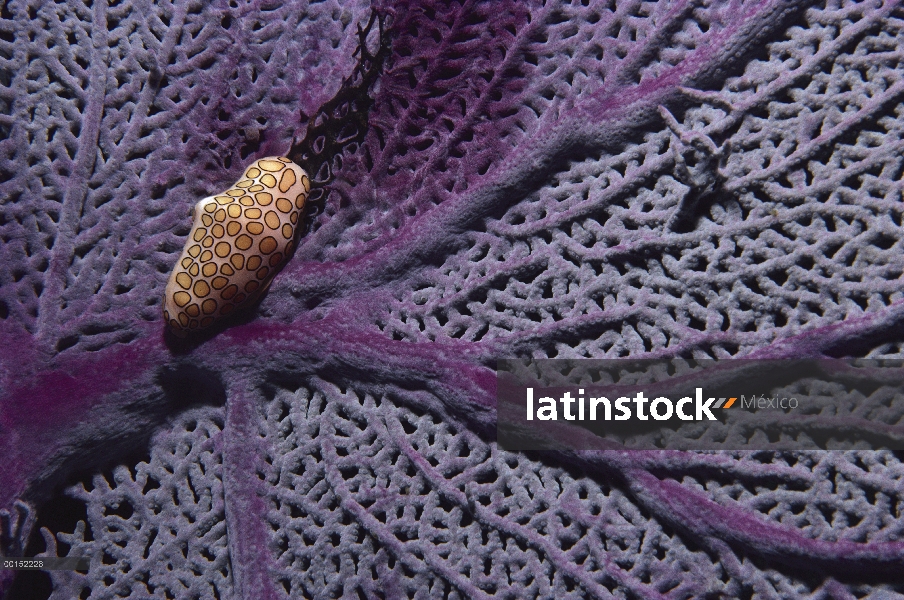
[[238, 241]]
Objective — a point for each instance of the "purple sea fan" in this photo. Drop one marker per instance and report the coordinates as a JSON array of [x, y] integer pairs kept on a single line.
[[537, 179]]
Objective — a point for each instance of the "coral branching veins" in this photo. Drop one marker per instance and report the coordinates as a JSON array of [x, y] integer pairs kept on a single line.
[[712, 179]]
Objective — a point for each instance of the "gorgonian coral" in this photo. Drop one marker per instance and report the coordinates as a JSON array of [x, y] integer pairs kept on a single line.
[[577, 179]]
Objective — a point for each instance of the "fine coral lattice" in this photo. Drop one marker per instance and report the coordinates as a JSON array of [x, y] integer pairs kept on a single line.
[[541, 179]]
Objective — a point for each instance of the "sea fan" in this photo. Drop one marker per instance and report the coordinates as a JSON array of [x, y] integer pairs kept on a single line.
[[533, 179]]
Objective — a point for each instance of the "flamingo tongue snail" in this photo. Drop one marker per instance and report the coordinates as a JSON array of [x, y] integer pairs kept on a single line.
[[239, 240], [242, 237]]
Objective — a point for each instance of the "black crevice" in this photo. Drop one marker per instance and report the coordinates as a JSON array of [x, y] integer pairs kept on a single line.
[[343, 121]]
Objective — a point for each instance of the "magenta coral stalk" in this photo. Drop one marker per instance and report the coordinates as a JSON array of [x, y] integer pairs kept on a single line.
[[551, 179]]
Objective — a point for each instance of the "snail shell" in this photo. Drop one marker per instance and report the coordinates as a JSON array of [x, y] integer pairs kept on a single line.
[[239, 240]]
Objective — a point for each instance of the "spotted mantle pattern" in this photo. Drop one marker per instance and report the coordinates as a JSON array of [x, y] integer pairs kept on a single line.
[[238, 241]]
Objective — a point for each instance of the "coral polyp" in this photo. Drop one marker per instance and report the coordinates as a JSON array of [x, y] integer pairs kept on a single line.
[[239, 240]]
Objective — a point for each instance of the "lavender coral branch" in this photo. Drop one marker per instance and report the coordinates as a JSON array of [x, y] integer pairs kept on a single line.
[[532, 179]]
